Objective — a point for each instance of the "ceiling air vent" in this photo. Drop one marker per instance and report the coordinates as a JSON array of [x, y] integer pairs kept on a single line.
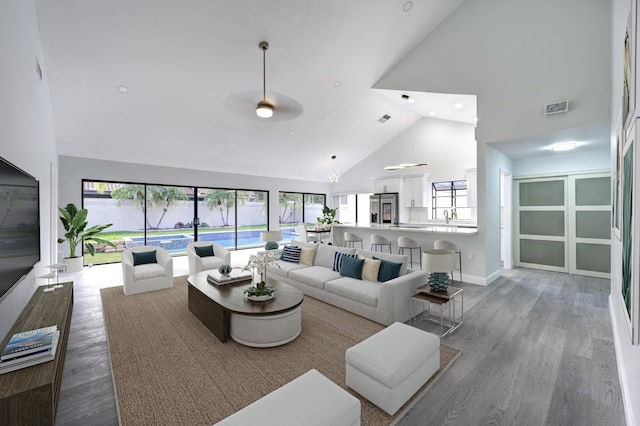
[[556, 107], [384, 118]]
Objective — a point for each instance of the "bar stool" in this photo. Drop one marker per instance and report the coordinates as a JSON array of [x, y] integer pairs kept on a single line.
[[378, 241], [350, 240], [448, 245], [410, 244]]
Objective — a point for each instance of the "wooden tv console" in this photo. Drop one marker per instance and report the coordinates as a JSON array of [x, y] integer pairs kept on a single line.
[[30, 396]]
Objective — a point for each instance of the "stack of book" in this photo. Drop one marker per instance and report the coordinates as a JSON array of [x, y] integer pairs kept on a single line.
[[29, 348], [235, 276]]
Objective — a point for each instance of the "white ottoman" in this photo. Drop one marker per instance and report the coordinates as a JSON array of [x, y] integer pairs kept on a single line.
[[311, 399], [390, 366]]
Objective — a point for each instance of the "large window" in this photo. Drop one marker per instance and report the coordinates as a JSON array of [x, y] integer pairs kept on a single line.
[[449, 200], [299, 208], [173, 216]]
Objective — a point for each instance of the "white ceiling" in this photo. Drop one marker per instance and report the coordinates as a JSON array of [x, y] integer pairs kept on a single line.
[[194, 73], [588, 138]]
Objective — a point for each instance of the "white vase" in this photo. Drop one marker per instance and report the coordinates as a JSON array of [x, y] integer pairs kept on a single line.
[[260, 298], [73, 264]]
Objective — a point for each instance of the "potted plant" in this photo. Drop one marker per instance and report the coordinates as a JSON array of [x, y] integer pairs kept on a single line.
[[328, 217], [76, 231], [259, 263]]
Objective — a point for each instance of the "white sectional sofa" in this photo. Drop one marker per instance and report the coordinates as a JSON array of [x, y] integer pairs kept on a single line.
[[382, 302]]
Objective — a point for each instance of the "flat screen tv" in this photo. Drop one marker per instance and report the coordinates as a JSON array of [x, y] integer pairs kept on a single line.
[[19, 224]]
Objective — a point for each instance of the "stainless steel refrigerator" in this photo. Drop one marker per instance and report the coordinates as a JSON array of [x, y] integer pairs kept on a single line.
[[384, 208]]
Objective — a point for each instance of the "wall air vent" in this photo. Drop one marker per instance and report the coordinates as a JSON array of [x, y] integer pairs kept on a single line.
[[384, 118], [556, 107]]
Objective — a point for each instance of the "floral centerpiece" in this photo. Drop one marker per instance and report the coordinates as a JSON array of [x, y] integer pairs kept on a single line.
[[259, 263]]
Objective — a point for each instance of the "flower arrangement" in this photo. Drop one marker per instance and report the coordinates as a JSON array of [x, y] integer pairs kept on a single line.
[[259, 263]]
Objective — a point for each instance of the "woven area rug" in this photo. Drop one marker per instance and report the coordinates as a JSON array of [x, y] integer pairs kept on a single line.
[[168, 368]]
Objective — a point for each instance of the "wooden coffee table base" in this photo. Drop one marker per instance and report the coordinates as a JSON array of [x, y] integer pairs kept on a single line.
[[212, 315]]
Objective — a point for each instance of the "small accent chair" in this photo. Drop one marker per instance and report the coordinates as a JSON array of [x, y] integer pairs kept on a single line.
[[350, 239], [378, 242], [448, 245], [411, 245], [145, 270], [198, 263]]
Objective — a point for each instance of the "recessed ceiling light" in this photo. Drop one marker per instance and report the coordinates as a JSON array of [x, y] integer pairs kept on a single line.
[[432, 113], [565, 146], [458, 105], [122, 89], [293, 132], [337, 83], [407, 6]]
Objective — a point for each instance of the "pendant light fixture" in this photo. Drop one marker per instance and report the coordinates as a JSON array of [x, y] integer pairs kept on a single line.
[[264, 108], [407, 136], [334, 176]]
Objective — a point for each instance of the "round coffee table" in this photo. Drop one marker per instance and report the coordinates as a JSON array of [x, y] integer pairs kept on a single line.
[[225, 310]]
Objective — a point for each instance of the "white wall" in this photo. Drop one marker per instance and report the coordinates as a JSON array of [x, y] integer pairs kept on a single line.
[[563, 163], [74, 169], [448, 147], [517, 56], [627, 355], [26, 131]]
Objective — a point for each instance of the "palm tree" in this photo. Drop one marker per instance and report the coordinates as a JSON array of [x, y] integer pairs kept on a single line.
[[291, 204], [224, 200], [154, 196], [165, 195]]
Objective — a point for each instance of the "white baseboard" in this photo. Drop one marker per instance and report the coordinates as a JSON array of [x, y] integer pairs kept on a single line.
[[622, 377], [474, 279]]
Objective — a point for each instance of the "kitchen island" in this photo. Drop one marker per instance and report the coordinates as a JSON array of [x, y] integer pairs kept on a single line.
[[463, 235]]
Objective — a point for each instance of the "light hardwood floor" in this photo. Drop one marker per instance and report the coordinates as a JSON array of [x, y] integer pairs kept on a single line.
[[536, 347]]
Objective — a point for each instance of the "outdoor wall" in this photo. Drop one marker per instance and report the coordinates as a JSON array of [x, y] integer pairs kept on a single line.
[[128, 217], [26, 133]]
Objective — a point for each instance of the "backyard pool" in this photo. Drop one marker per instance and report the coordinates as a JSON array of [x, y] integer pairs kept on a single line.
[[177, 243]]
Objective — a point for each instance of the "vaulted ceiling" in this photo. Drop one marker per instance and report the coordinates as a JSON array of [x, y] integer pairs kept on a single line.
[[191, 73]]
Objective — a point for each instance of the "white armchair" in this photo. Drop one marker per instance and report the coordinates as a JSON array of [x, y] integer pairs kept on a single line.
[[144, 274], [221, 256]]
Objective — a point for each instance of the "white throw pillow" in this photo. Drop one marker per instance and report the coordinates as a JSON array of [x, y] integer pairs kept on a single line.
[[307, 255], [370, 269]]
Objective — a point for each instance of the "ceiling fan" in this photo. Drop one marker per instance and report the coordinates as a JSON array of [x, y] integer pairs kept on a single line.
[[275, 107], [264, 108]]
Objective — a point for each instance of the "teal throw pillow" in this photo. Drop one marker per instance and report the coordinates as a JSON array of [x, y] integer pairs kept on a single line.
[[388, 270], [204, 251], [144, 257], [337, 260], [352, 267]]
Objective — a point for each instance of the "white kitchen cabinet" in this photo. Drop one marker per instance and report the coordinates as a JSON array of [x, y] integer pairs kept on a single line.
[[387, 185], [414, 192]]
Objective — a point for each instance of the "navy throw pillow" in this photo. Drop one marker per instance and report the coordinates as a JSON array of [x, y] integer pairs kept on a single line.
[[337, 260], [352, 267], [204, 251], [144, 257], [291, 254], [388, 270]]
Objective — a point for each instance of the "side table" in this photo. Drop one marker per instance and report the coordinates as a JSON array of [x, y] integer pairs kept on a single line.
[[449, 322]]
